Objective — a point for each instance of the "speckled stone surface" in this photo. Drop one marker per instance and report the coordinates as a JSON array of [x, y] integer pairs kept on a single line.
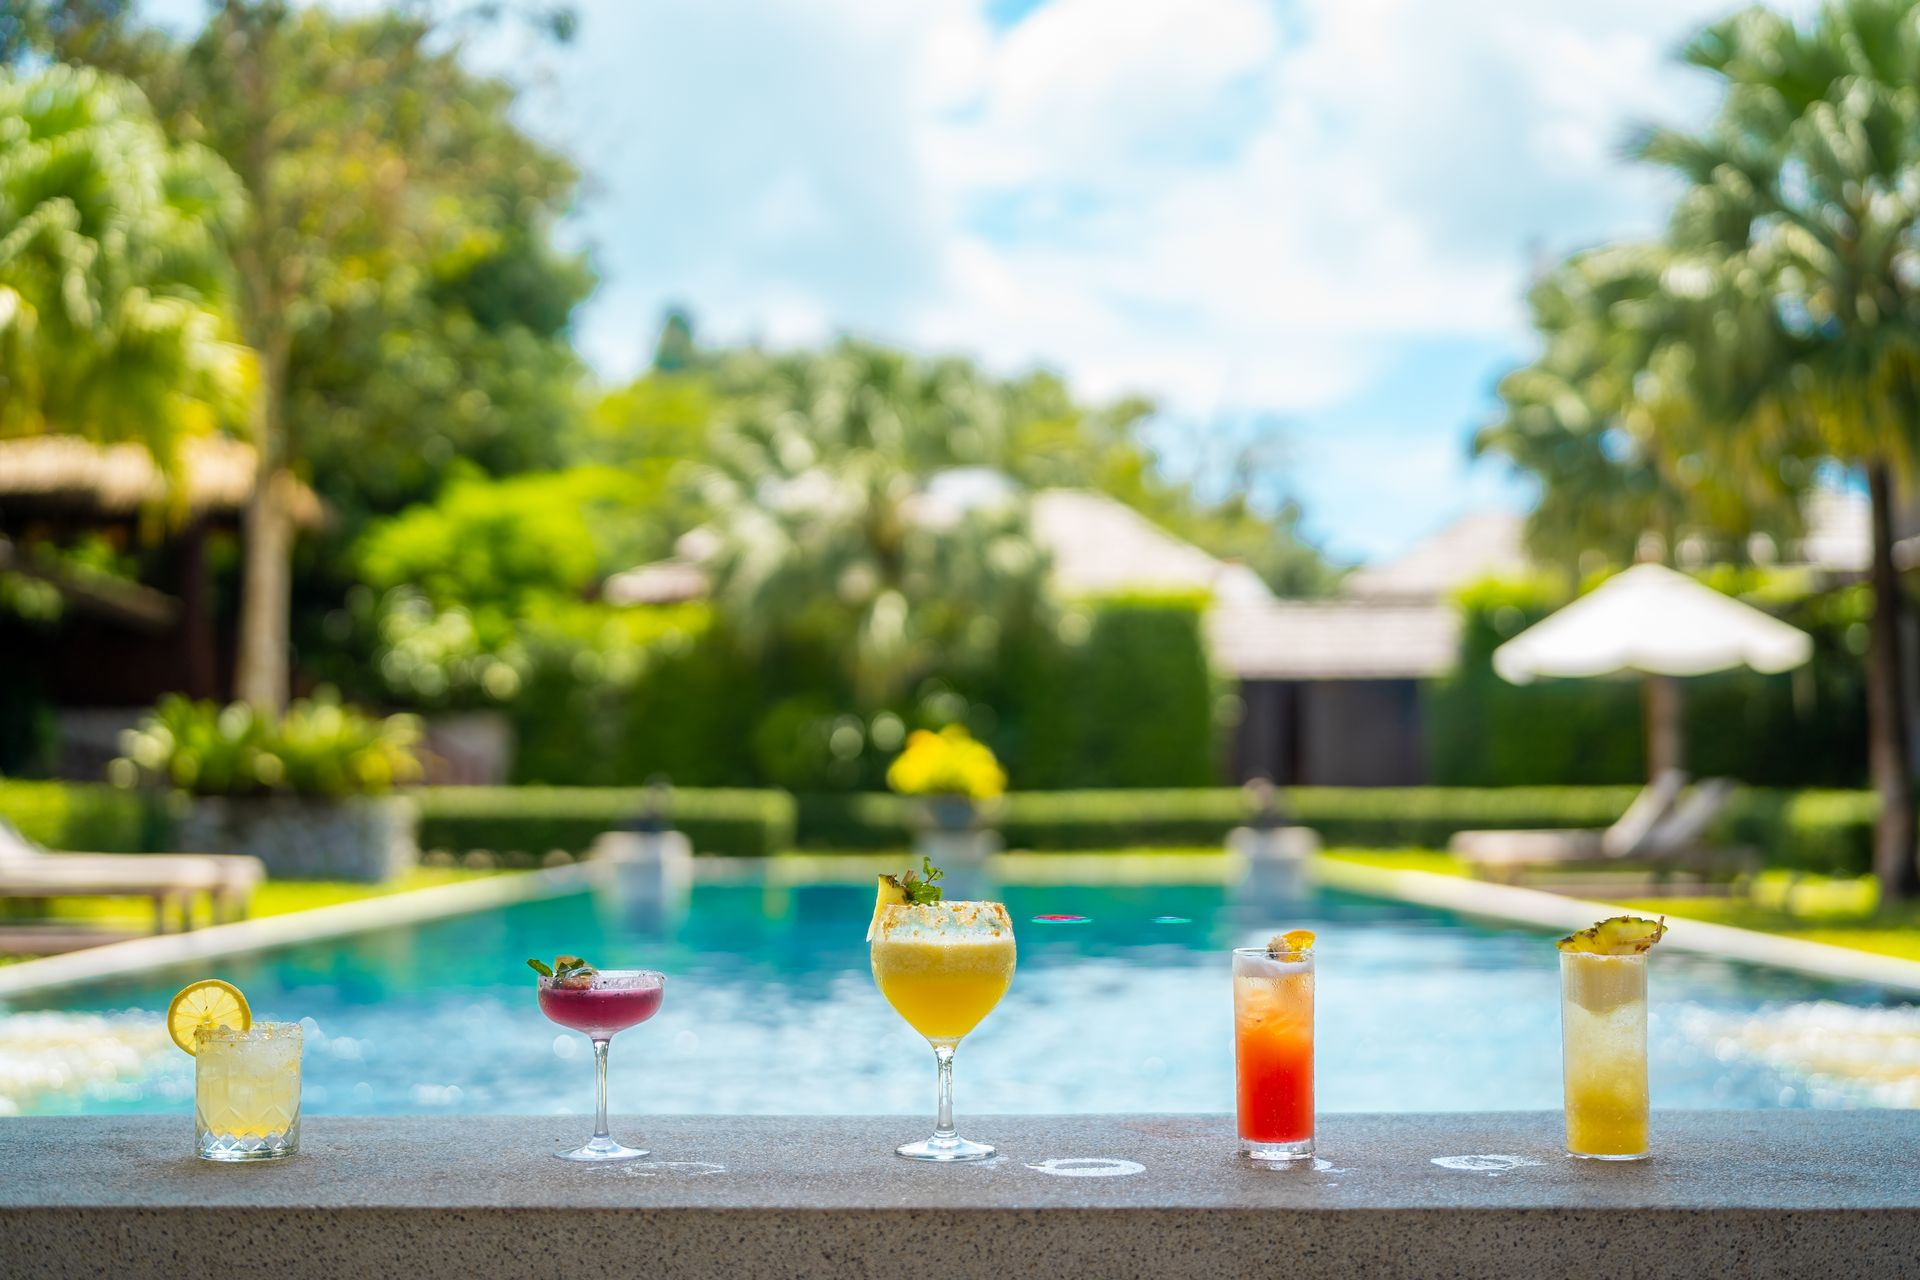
[[1727, 1194]]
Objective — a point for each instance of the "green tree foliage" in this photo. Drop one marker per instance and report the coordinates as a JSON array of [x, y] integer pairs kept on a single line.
[[926, 415], [396, 278], [502, 544], [28, 27], [1608, 420], [1777, 324], [463, 600], [652, 429], [316, 747], [1798, 223], [402, 237], [114, 320], [826, 535]]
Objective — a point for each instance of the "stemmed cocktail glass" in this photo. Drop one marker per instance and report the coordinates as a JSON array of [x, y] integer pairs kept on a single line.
[[943, 966], [599, 1003]]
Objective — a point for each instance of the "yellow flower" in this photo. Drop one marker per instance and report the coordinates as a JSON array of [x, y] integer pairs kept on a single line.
[[948, 763]]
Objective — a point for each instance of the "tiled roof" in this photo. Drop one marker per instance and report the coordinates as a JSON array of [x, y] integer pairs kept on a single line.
[[1487, 544], [670, 581], [1334, 640], [1100, 546], [1479, 545], [1097, 546]]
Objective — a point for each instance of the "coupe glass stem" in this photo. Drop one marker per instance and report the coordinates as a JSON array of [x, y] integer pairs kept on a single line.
[[600, 1133], [943, 1126]]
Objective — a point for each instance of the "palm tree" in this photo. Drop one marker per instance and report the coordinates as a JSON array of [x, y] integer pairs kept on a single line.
[[1802, 223], [1608, 421], [826, 533], [114, 320]]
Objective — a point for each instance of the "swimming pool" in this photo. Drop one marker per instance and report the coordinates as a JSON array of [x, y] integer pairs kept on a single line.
[[770, 1008]]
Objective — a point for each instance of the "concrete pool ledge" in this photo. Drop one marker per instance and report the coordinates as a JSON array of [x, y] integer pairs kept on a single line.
[[1512, 904], [142, 955], [1757, 1194]]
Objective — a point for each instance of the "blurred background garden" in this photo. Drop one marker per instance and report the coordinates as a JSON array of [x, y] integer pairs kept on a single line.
[[363, 433]]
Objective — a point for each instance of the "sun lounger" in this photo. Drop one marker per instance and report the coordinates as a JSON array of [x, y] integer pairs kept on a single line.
[[1662, 830], [1488, 851], [170, 880]]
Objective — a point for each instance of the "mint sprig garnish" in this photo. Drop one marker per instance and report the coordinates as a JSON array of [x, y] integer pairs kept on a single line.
[[920, 887], [564, 970]]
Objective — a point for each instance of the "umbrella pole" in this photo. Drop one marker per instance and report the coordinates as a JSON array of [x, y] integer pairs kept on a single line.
[[1666, 736]]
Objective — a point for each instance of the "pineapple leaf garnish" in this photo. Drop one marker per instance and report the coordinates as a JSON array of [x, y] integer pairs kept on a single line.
[[540, 967], [920, 887]]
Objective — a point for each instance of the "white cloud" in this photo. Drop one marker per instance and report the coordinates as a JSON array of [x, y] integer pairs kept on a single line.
[[1234, 204]]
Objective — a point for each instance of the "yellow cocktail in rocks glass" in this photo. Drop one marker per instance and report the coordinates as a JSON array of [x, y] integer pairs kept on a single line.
[[247, 1091], [1603, 1037], [246, 1095], [943, 966]]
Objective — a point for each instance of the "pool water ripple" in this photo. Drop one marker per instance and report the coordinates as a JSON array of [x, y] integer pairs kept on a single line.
[[770, 1008]]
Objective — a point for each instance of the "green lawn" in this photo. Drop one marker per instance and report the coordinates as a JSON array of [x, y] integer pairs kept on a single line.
[[1440, 864], [276, 897], [1843, 912]]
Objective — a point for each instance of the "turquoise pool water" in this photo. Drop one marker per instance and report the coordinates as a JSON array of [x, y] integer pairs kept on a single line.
[[770, 1008]]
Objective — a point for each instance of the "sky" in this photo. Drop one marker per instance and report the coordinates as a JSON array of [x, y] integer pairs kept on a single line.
[[1309, 218]]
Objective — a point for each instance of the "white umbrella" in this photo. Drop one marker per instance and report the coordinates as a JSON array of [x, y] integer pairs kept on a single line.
[[1654, 622]]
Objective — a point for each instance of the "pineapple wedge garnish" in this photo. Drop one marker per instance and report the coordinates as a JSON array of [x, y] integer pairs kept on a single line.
[[1619, 936], [891, 894], [1591, 980]]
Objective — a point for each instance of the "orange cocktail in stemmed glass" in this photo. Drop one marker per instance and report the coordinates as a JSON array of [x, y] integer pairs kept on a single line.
[[1273, 1047]]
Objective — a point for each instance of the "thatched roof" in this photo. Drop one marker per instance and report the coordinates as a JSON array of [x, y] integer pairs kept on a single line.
[[121, 479]]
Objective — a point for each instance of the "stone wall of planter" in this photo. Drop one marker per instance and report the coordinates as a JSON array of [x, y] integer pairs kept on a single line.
[[361, 838]]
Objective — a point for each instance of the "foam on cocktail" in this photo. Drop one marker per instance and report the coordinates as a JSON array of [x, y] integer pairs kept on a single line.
[[945, 922], [1600, 984]]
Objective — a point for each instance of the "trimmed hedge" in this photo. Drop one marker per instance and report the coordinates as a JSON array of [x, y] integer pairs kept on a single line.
[[1131, 705], [86, 817], [740, 824], [1830, 832], [861, 821], [1827, 832], [1204, 815]]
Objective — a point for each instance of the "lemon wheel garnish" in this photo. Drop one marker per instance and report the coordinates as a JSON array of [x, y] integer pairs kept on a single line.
[[206, 1003]]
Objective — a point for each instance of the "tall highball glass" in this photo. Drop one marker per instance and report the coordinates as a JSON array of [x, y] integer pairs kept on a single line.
[[1273, 1052], [1603, 1048]]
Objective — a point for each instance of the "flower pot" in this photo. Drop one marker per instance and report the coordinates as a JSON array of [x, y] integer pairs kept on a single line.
[[368, 839], [952, 813], [954, 832]]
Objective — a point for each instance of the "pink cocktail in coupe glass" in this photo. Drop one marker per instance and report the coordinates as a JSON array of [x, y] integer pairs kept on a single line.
[[610, 1001]]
